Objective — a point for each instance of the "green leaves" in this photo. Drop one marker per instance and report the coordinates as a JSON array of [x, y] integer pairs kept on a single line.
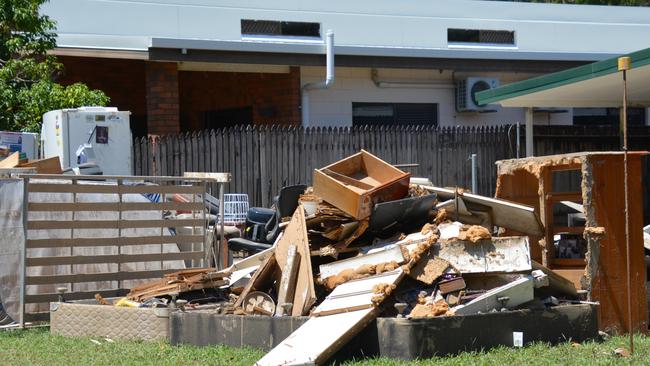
[[46, 95], [27, 72]]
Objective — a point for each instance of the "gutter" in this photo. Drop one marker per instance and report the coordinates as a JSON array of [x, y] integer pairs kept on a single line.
[[325, 84]]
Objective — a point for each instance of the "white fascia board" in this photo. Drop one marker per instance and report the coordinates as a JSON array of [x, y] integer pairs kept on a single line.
[[309, 48], [103, 42]]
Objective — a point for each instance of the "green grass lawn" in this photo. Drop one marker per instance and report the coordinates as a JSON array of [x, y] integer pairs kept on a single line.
[[38, 347]]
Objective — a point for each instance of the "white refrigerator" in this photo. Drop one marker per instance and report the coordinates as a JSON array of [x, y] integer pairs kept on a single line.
[[105, 129]]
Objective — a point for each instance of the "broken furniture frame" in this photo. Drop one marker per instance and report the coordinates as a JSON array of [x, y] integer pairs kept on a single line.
[[221, 179], [356, 183], [602, 273], [71, 188]]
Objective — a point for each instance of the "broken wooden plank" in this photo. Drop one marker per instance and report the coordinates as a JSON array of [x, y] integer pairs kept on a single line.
[[45, 166], [260, 280], [356, 294], [296, 234], [384, 255], [11, 161], [321, 336], [342, 231], [318, 339], [508, 296], [557, 282], [503, 213], [288, 281]]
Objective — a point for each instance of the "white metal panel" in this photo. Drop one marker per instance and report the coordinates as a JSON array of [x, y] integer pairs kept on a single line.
[[52, 136], [561, 30]]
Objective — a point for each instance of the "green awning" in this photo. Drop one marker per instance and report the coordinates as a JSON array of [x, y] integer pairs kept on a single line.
[[595, 85]]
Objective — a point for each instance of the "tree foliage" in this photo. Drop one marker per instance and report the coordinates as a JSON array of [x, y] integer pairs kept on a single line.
[[27, 72]]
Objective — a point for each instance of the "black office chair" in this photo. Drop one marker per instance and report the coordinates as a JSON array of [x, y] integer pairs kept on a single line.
[[263, 224]]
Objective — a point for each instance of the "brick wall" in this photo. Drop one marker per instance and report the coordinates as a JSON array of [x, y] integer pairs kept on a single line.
[[162, 98], [122, 80], [273, 98]]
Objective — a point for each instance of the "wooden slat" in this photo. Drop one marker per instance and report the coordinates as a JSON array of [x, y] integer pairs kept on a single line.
[[162, 189], [70, 296], [96, 277], [71, 188], [111, 224], [115, 189], [100, 242], [114, 206], [118, 258], [209, 176]]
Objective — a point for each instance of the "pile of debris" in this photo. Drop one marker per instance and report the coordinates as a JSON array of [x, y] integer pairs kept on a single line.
[[364, 242]]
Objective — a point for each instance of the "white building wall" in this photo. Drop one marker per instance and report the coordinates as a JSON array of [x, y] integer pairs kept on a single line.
[[544, 31], [333, 106]]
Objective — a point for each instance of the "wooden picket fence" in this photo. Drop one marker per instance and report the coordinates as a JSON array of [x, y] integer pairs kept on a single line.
[[264, 159]]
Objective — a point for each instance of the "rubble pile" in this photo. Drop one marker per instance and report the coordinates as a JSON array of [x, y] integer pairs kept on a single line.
[[364, 243]]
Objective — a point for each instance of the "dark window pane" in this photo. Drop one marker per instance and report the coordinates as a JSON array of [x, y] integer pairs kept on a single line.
[[463, 35], [394, 114], [607, 116], [228, 117], [277, 28], [300, 29], [480, 36]]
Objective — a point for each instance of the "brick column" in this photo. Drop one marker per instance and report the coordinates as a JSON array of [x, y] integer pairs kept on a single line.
[[162, 98], [295, 98]]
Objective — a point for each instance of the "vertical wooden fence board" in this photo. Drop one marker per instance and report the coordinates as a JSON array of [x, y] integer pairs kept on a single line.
[[262, 159]]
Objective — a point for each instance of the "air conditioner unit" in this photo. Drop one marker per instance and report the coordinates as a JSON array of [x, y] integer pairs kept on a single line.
[[466, 90]]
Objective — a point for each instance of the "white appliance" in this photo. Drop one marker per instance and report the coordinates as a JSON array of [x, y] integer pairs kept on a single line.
[[26, 142], [105, 129]]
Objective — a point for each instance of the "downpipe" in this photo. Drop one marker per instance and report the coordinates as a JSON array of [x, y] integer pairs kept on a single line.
[[325, 84]]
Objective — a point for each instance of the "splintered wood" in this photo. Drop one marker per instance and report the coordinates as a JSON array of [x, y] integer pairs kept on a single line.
[[179, 282], [296, 234]]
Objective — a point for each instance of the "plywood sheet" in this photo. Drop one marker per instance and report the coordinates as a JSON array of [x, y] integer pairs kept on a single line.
[[296, 234]]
